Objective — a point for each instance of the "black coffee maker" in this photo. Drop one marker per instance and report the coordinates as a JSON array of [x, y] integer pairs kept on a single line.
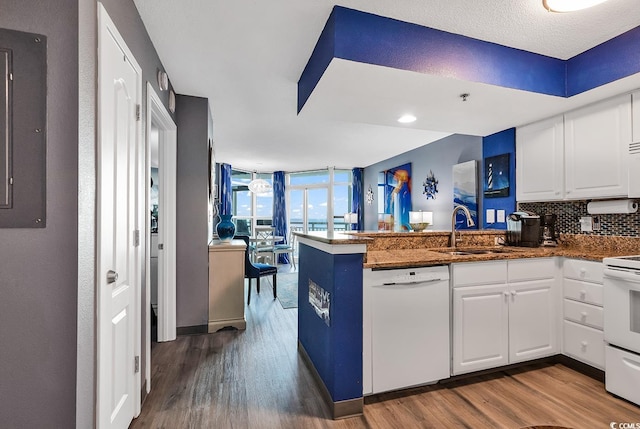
[[549, 236], [523, 229]]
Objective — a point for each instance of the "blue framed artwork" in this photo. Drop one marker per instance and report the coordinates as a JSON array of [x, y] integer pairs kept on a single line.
[[396, 183], [465, 192], [496, 176]]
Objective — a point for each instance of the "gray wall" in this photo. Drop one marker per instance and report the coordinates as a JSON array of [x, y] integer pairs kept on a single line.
[[192, 282], [47, 299], [439, 156], [39, 267]]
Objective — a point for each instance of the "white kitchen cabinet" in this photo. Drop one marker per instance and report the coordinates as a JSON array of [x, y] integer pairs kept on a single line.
[[583, 338], [512, 320], [635, 116], [480, 328], [596, 144], [634, 147], [532, 320], [540, 161]]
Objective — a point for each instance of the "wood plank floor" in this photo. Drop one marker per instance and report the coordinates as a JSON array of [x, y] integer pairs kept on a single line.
[[255, 379]]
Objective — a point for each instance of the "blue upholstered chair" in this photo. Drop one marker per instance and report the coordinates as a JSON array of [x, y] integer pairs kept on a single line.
[[253, 270]]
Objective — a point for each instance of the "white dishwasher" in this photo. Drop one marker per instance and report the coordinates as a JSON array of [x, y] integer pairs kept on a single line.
[[408, 327]]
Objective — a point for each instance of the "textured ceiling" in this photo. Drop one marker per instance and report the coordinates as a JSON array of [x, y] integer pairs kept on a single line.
[[247, 56]]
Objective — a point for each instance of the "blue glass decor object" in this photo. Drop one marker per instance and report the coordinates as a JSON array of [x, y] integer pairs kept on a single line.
[[225, 228]]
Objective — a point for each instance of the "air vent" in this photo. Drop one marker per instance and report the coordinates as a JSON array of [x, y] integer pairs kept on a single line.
[[634, 148]]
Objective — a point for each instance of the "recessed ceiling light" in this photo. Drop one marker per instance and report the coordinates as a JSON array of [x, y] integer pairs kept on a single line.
[[406, 119], [569, 5]]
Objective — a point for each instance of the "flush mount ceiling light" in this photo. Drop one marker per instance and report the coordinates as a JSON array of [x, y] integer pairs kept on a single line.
[[406, 119], [569, 5], [260, 186]]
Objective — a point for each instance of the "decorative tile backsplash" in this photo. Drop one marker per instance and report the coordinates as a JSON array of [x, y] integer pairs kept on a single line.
[[570, 212]]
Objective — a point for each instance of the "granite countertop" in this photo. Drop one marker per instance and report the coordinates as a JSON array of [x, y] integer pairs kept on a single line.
[[408, 250], [439, 256]]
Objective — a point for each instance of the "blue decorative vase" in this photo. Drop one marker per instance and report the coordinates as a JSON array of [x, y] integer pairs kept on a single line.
[[225, 228]]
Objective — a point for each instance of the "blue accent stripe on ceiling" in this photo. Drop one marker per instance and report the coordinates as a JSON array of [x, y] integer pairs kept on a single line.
[[612, 60], [363, 37], [320, 58]]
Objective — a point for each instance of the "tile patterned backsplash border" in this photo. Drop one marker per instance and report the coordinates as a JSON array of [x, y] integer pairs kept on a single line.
[[570, 212]]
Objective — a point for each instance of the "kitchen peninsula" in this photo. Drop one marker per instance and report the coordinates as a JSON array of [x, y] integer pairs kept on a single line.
[[330, 299]]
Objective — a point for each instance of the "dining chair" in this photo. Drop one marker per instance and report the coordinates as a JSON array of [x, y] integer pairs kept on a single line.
[[255, 270], [285, 248], [263, 248]]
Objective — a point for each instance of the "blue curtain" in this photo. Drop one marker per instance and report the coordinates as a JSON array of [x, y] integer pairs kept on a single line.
[[225, 189], [280, 210], [357, 199]]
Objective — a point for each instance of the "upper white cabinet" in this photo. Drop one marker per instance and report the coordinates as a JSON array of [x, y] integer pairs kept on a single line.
[[634, 147], [635, 112], [583, 154], [540, 161], [596, 142]]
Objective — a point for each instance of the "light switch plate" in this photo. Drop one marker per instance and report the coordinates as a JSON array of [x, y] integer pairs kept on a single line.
[[491, 216]]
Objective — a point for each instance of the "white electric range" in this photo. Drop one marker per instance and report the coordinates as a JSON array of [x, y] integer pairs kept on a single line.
[[622, 326]]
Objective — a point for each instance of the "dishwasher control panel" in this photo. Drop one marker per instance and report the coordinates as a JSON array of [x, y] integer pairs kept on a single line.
[[406, 275]]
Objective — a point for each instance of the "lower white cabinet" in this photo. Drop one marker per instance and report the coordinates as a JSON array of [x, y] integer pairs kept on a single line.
[[583, 322], [480, 328], [512, 320]]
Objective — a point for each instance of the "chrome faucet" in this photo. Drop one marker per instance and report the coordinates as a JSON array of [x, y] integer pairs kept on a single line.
[[470, 223]]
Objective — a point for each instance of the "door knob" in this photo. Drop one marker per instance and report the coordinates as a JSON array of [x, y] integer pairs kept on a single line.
[[112, 276]]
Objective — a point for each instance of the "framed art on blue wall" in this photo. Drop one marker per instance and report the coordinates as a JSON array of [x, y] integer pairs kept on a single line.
[[496, 176]]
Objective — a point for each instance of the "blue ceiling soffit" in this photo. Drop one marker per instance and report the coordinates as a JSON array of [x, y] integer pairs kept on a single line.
[[366, 38]]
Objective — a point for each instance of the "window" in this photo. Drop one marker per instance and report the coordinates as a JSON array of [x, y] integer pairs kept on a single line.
[[318, 200], [248, 208], [264, 202]]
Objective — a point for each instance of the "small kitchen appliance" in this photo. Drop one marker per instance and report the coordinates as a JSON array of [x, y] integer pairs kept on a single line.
[[548, 225], [622, 326], [523, 229]]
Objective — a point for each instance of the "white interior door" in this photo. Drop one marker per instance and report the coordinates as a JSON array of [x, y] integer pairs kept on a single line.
[[158, 116], [119, 92]]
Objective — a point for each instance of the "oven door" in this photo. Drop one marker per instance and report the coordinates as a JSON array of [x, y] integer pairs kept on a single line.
[[622, 308]]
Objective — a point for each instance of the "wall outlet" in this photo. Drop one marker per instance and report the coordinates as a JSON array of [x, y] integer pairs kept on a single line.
[[596, 223], [586, 224]]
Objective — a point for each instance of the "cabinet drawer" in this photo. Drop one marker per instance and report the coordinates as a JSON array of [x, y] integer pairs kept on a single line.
[[583, 291], [585, 314], [531, 269], [622, 375], [584, 344], [479, 273], [588, 271]]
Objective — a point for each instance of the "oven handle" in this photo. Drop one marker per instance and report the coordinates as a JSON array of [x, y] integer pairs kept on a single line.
[[622, 274]]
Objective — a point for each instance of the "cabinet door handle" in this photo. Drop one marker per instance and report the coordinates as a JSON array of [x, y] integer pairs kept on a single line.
[[506, 295], [583, 294], [582, 272], [584, 316], [584, 345]]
